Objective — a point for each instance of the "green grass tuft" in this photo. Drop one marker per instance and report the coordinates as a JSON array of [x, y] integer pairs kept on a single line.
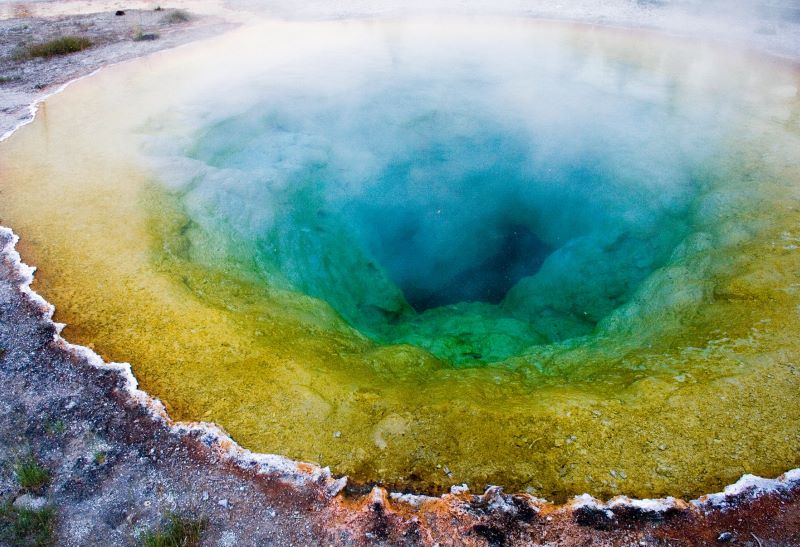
[[58, 46], [55, 428], [25, 527], [177, 532], [177, 16], [30, 474]]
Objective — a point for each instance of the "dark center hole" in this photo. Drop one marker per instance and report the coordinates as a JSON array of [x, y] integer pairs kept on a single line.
[[493, 260]]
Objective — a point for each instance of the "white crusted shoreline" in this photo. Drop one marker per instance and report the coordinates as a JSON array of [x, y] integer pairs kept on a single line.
[[211, 434]]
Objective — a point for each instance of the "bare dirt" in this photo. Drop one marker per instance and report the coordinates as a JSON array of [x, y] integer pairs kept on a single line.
[[117, 468]]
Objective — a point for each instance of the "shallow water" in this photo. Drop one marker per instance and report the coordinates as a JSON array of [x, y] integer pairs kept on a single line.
[[429, 252]]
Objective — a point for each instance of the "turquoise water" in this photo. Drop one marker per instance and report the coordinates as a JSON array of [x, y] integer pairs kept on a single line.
[[473, 207]]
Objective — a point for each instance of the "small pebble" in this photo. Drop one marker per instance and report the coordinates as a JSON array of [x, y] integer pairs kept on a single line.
[[725, 537], [224, 503], [205, 496]]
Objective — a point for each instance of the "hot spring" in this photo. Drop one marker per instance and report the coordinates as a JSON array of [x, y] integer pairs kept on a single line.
[[427, 252]]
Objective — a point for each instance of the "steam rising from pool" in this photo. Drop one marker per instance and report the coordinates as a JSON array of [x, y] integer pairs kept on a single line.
[[467, 198], [428, 252]]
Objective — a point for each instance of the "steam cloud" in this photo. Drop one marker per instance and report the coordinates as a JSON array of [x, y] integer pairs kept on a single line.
[[524, 179]]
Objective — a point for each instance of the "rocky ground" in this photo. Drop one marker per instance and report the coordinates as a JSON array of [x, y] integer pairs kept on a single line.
[[87, 460]]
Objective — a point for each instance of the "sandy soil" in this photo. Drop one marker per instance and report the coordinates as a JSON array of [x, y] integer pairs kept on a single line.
[[117, 467]]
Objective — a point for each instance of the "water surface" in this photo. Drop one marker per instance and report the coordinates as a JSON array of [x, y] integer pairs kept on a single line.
[[428, 252]]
